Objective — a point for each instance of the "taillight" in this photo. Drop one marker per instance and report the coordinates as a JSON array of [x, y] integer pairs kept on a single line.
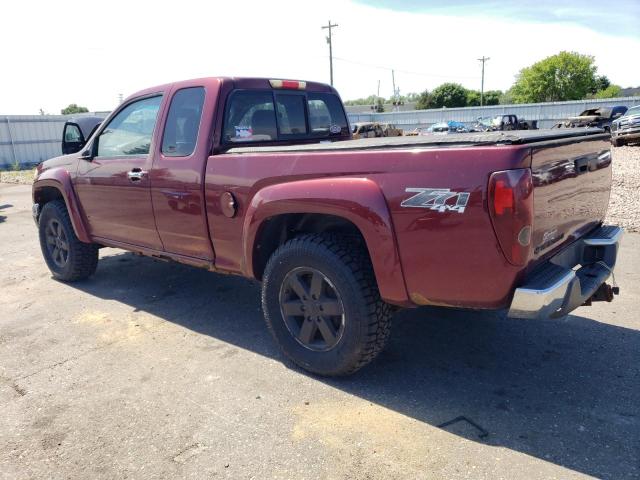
[[511, 211], [288, 84]]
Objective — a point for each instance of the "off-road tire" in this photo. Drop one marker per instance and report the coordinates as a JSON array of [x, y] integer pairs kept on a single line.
[[82, 259], [616, 142], [367, 318]]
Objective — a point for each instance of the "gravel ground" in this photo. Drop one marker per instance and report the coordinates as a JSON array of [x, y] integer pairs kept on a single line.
[[21, 177], [624, 206]]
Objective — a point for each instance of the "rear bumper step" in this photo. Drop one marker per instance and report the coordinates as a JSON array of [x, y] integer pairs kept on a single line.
[[558, 287]]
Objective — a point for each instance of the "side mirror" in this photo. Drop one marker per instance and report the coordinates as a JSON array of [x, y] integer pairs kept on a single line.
[[86, 155]]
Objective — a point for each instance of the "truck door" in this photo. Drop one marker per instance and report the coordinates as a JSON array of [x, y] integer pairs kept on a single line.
[[113, 187], [177, 174]]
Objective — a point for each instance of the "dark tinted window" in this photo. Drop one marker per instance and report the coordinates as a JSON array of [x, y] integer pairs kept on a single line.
[[326, 115], [130, 131], [618, 111], [291, 115], [250, 117], [183, 122]]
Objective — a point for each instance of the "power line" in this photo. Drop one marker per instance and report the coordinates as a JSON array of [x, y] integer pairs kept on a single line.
[[329, 27], [483, 60], [408, 72]]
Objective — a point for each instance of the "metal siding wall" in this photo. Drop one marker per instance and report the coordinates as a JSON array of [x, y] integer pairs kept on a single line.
[[31, 138], [37, 138], [547, 114]]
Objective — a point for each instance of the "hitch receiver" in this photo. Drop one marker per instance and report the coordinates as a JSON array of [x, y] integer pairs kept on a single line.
[[604, 293]]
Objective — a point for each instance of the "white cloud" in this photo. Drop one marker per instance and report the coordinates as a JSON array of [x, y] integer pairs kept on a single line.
[[56, 53]]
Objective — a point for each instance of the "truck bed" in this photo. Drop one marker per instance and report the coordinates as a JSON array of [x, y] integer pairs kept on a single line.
[[516, 137]]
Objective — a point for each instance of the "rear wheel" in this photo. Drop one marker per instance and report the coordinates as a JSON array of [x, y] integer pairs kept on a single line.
[[322, 304], [67, 257]]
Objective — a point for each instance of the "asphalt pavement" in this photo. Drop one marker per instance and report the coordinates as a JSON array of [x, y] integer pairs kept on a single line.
[[156, 370]]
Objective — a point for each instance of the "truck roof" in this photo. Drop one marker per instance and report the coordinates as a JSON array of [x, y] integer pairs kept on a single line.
[[516, 137], [238, 82]]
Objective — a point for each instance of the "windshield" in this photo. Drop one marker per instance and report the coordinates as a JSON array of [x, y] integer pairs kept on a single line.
[[633, 111], [602, 112]]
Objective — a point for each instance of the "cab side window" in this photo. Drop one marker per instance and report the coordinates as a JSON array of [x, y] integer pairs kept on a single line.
[[131, 130], [326, 116], [183, 122]]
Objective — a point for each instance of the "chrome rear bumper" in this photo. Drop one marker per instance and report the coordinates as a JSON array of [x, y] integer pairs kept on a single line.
[[558, 287]]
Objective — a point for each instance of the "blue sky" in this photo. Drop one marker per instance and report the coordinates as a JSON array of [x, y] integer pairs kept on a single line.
[[416, 44], [616, 18]]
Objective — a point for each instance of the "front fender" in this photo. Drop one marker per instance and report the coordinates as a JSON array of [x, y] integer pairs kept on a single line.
[[358, 200], [60, 179]]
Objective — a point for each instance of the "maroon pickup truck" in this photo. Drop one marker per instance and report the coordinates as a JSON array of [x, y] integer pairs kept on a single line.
[[261, 178]]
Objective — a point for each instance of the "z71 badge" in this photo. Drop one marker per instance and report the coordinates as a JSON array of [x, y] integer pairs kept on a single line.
[[438, 199]]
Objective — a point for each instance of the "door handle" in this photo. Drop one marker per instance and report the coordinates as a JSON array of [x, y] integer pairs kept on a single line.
[[136, 174]]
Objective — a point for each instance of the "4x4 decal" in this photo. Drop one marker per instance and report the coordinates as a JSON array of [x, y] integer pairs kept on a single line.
[[436, 199]]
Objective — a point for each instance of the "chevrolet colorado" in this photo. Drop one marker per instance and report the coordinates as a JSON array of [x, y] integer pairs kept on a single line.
[[261, 178]]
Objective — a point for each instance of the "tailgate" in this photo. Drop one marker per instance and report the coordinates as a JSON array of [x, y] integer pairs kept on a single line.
[[572, 182]]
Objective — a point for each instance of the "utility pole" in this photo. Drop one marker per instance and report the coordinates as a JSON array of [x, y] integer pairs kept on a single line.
[[393, 82], [330, 26], [396, 92], [483, 60]]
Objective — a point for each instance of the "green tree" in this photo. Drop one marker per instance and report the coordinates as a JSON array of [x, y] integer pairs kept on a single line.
[[492, 97], [611, 91], [411, 97], [370, 100], [602, 83], [424, 101], [449, 95], [507, 97], [565, 76], [73, 108], [473, 98]]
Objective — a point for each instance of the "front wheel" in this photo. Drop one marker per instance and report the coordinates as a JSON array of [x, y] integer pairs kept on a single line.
[[322, 304], [68, 258]]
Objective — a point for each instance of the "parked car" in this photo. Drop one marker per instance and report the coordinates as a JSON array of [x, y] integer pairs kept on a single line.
[[367, 130], [259, 178], [374, 129], [446, 127], [626, 129], [503, 122], [600, 117], [415, 132], [390, 130], [482, 124]]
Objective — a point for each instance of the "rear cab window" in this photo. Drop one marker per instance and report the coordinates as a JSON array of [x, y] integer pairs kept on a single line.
[[266, 116]]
